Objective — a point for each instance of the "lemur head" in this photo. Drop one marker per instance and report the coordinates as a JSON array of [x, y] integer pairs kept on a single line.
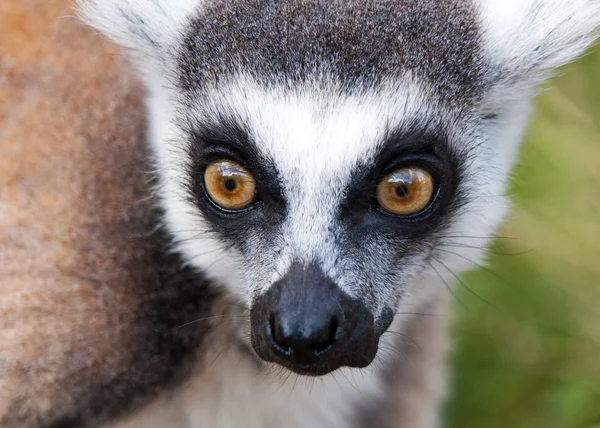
[[328, 161]]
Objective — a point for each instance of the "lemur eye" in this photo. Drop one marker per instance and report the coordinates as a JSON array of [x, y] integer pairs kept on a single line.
[[229, 185], [406, 191]]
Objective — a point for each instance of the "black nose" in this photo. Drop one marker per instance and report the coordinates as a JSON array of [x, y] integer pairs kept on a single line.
[[303, 342], [306, 323]]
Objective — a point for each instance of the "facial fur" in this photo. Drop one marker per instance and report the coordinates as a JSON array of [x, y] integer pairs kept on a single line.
[[319, 100]]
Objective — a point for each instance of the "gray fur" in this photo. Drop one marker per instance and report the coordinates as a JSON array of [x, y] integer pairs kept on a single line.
[[355, 44]]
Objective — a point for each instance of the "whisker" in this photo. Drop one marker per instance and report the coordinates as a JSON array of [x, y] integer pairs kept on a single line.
[[229, 318], [487, 238], [479, 265], [447, 285], [488, 248], [460, 281], [420, 314], [409, 339]]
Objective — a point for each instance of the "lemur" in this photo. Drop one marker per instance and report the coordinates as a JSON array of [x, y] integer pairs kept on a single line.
[[325, 168]]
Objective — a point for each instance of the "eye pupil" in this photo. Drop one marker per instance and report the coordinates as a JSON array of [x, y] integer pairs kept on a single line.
[[230, 185], [402, 191]]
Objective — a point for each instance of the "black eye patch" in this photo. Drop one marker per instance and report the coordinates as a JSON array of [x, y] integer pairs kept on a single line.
[[228, 141], [426, 150]]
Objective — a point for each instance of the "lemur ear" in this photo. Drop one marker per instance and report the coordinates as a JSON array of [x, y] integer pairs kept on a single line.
[[529, 38], [148, 27]]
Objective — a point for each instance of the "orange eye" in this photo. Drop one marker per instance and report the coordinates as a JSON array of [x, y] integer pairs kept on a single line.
[[406, 191], [230, 185]]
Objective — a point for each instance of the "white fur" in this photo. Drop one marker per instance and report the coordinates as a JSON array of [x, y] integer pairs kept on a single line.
[[137, 23], [149, 29], [530, 37]]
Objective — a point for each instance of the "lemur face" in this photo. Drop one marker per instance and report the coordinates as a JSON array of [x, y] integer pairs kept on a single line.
[[331, 161], [326, 205]]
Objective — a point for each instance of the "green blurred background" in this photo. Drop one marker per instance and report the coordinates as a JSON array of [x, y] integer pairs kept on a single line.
[[531, 358]]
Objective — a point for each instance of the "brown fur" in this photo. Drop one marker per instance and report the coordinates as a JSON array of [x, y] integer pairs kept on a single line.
[[64, 98], [80, 278], [76, 256]]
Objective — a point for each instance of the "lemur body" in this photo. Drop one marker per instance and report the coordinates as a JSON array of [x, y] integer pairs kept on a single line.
[[280, 293]]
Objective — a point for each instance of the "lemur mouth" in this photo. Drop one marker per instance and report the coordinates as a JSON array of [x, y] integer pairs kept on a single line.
[[310, 371], [307, 324]]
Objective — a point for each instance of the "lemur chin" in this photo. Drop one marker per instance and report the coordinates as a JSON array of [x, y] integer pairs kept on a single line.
[[327, 165]]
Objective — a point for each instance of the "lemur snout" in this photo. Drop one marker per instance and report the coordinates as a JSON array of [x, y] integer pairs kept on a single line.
[[306, 323]]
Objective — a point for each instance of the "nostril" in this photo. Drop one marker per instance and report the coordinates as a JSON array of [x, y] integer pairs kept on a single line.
[[325, 337], [277, 335]]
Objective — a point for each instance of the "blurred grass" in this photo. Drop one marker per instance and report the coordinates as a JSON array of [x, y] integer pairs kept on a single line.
[[535, 362]]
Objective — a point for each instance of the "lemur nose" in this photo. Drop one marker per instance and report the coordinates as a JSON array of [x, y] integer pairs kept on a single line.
[[305, 322], [302, 342]]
